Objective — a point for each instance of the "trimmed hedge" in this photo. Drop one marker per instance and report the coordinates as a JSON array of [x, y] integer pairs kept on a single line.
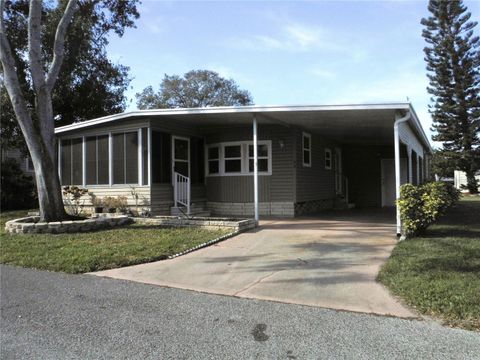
[[422, 205]]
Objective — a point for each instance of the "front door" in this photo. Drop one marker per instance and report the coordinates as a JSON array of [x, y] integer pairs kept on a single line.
[[388, 180], [181, 156]]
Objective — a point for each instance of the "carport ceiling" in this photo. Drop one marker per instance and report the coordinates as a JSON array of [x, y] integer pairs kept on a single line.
[[345, 126]]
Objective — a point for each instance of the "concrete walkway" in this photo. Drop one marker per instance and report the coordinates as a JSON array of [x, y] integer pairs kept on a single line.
[[329, 262]]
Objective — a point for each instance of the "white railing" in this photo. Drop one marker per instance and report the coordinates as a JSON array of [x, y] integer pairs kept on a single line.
[[181, 190]]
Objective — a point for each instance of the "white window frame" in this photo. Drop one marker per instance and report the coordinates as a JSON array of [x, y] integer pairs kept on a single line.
[[244, 158], [309, 149], [329, 152], [241, 158], [208, 160], [124, 132], [268, 157]]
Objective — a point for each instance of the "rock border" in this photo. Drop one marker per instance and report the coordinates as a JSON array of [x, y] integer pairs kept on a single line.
[[205, 244], [32, 225]]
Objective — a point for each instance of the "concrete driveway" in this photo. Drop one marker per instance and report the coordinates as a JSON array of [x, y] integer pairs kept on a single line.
[[328, 261]]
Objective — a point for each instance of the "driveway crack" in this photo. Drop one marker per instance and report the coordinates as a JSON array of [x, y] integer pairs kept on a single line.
[[257, 282]]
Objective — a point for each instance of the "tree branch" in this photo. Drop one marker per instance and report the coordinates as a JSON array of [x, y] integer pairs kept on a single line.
[[35, 44], [58, 47], [10, 78]]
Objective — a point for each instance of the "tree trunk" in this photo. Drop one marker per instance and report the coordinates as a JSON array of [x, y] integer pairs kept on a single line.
[[472, 185]]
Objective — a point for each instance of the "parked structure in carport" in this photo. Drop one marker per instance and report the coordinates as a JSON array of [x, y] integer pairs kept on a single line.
[[203, 160]]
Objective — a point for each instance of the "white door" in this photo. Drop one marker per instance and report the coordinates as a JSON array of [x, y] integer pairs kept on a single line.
[[388, 180], [180, 156]]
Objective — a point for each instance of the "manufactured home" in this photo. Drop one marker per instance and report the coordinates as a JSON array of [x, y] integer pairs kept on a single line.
[[250, 160]]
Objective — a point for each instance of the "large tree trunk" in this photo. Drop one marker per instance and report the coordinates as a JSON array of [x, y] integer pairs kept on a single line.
[[38, 129]]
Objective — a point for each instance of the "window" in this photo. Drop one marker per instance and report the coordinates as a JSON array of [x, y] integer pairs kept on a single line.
[[71, 167], [236, 158], [213, 160], [328, 159], [233, 159], [96, 160], [307, 149], [262, 153], [125, 158]]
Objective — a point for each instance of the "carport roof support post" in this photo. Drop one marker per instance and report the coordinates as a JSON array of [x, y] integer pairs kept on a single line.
[[255, 168], [398, 120]]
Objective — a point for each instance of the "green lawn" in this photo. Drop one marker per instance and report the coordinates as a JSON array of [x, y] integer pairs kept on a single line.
[[99, 250], [439, 274]]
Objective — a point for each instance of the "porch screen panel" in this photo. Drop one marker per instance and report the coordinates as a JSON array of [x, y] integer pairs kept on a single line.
[[145, 155], [66, 161], [161, 157], [103, 161], [91, 160], [131, 157], [77, 161], [118, 157]]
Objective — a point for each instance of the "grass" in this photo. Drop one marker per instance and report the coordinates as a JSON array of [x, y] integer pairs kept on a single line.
[[439, 273], [99, 250]]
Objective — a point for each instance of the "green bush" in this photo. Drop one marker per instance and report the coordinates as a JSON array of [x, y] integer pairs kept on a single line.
[[422, 205], [18, 190]]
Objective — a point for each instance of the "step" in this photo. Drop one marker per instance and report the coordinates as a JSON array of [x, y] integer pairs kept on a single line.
[[198, 212]]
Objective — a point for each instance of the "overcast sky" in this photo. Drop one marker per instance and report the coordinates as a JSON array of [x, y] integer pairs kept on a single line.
[[316, 52]]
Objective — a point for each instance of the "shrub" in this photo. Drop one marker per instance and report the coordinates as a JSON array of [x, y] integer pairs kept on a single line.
[[72, 197], [422, 205], [121, 204], [18, 190]]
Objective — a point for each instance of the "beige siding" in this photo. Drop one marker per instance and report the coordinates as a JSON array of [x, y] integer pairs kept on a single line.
[[19, 158], [315, 182], [162, 198], [237, 189]]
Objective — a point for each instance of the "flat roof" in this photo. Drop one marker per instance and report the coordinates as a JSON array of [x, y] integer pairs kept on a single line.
[[343, 121]]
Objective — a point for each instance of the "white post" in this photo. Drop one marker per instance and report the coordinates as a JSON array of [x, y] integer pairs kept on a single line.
[[410, 168], [149, 156], [110, 159], [59, 160], [84, 162], [396, 142], [255, 169], [140, 157], [418, 169]]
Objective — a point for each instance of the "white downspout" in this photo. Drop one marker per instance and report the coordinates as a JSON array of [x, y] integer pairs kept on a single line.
[[255, 169], [398, 121]]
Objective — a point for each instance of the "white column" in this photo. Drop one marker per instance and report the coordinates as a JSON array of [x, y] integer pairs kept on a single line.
[[396, 142], [59, 160], [149, 156], [140, 157], [410, 168], [84, 162], [255, 169], [418, 169], [110, 159]]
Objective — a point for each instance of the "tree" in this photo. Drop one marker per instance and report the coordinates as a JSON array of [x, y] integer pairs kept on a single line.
[[197, 88], [453, 61], [39, 77], [92, 85]]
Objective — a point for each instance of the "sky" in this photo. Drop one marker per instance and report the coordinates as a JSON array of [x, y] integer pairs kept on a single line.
[[286, 53]]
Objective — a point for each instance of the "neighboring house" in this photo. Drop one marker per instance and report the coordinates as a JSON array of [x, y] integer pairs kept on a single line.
[[25, 162], [309, 158], [460, 180]]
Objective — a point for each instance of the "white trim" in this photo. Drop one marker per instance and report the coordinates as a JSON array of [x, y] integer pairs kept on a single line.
[[255, 168], [244, 158], [140, 156], [110, 159], [309, 149], [180, 160], [59, 145], [84, 163], [235, 109], [329, 152], [149, 132]]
